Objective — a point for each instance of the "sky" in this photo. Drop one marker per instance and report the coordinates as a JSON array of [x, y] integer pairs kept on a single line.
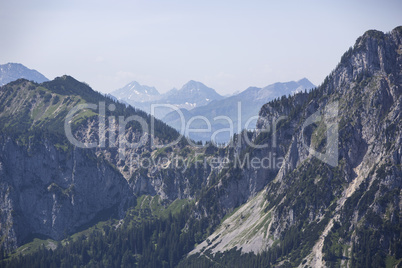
[[227, 45]]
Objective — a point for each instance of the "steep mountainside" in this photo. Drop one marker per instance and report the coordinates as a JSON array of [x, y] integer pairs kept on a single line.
[[318, 183], [12, 71], [342, 207], [48, 187]]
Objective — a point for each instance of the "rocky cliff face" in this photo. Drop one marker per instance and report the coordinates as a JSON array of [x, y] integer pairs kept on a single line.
[[48, 192], [320, 180], [321, 210], [48, 187]]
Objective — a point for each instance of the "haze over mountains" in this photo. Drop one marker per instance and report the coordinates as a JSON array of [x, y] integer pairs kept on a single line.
[[136, 94], [193, 99], [196, 99], [243, 106], [192, 94], [12, 71], [322, 189]]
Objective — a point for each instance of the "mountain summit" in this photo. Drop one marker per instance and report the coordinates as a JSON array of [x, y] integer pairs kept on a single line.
[[314, 213], [317, 184], [192, 94], [12, 71], [195, 87], [250, 101], [135, 92]]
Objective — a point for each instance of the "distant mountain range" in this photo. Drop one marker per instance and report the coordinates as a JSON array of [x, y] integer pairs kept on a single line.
[[193, 99], [196, 99], [243, 106], [136, 93], [192, 94], [327, 193], [12, 71]]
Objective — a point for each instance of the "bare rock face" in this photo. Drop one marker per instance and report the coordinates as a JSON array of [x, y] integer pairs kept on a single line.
[[316, 197], [332, 172], [50, 192], [50, 188]]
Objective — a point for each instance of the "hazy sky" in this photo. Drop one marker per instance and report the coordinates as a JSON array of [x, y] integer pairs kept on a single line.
[[228, 45]]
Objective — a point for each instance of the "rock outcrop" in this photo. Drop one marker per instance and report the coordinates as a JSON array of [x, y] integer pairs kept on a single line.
[[326, 197], [317, 181]]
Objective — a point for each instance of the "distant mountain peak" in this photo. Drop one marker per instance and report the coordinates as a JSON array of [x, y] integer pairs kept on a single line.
[[194, 85], [136, 92], [141, 89], [193, 82], [13, 71], [305, 83], [190, 95], [196, 92], [303, 80]]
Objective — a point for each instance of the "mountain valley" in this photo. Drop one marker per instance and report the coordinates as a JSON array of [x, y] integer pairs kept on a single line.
[[317, 182]]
